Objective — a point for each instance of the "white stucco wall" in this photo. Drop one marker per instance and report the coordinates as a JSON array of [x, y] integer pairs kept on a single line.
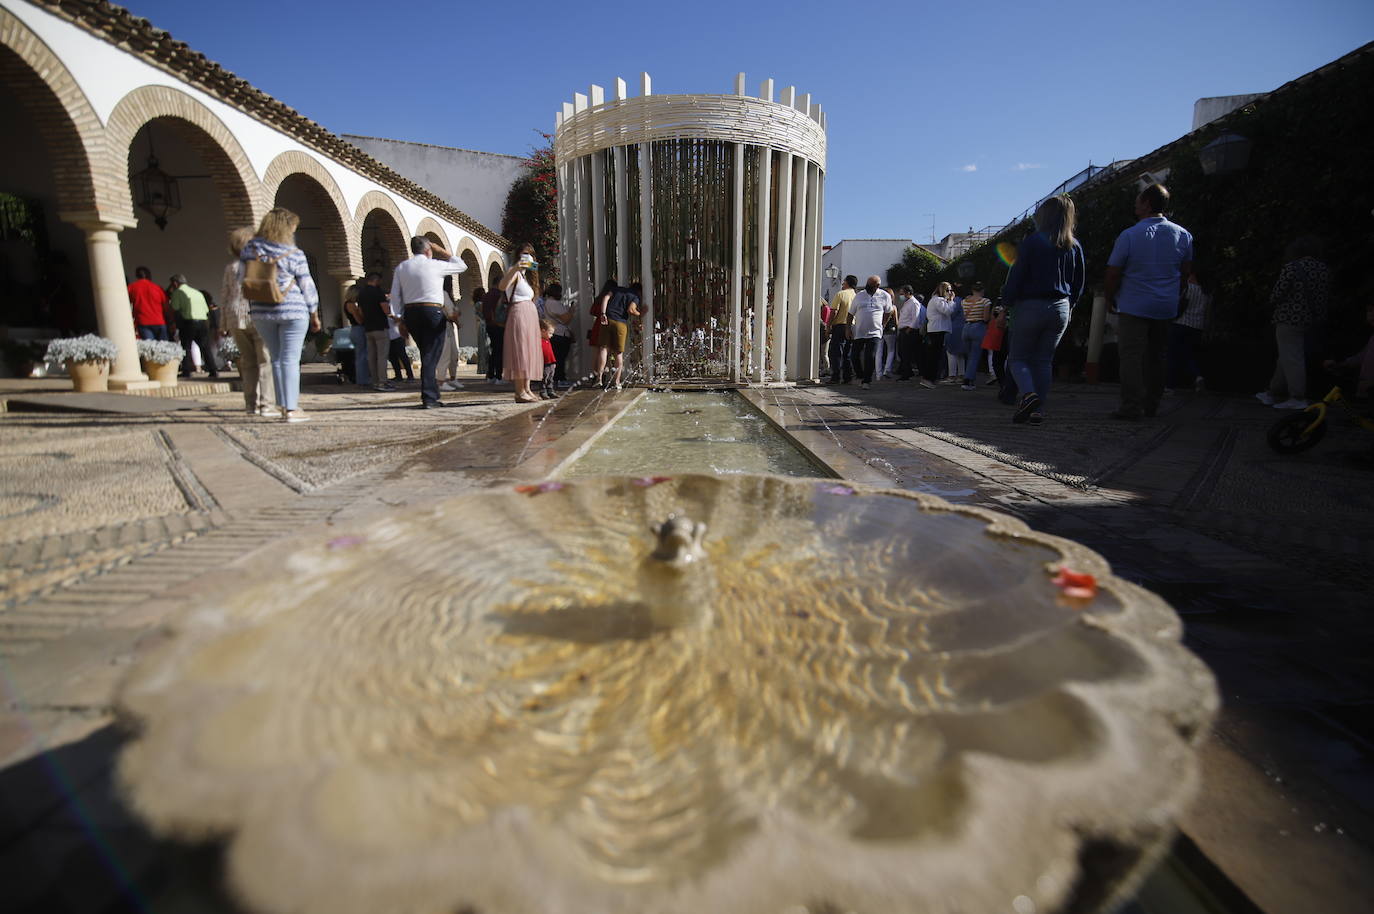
[[475, 182], [107, 73], [1206, 110], [862, 257]]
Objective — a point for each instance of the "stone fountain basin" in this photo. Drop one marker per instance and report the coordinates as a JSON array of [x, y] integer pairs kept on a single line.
[[857, 699]]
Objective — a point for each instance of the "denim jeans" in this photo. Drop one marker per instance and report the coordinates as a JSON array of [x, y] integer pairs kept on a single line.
[[1143, 343], [865, 355], [362, 373], [973, 344], [284, 339], [426, 324], [840, 367], [1039, 324], [887, 354], [152, 332]]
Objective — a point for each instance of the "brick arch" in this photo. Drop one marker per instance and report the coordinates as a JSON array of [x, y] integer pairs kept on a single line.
[[468, 246], [472, 277], [391, 231], [375, 199], [240, 191], [341, 236], [70, 128], [428, 226], [496, 268]]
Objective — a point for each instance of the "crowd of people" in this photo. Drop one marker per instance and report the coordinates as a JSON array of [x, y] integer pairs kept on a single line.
[[1158, 304], [269, 301], [1157, 301]]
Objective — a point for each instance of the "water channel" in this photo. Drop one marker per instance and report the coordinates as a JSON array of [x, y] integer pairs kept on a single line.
[[720, 432], [716, 432]]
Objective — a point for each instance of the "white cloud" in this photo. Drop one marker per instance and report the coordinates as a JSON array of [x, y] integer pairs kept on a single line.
[[1023, 166], [969, 167]]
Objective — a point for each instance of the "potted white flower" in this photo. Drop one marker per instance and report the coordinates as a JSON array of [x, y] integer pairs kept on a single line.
[[413, 356], [227, 352], [87, 359], [161, 359]]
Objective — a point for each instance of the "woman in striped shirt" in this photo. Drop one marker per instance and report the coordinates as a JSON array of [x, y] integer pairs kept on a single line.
[[977, 312]]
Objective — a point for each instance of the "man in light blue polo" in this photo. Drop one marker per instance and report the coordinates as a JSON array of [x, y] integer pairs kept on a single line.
[[1146, 277]]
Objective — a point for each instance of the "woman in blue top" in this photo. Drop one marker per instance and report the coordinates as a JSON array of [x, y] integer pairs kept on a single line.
[[282, 324], [1041, 290]]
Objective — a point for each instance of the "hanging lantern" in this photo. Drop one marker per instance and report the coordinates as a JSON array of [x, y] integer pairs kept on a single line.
[[968, 269], [156, 192], [1227, 153]]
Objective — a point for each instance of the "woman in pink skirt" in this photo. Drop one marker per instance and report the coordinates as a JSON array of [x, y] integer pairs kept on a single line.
[[522, 357]]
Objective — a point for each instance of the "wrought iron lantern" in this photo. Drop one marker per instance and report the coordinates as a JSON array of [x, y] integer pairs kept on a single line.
[[832, 273], [1228, 153], [156, 192], [968, 269]]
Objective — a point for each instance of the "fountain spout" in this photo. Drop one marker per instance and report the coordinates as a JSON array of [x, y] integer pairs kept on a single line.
[[679, 541]]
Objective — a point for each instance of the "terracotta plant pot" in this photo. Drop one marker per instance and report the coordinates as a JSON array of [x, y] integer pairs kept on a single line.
[[89, 377], [165, 373]]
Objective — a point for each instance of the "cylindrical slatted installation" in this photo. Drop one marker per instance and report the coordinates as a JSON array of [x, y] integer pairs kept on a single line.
[[713, 203]]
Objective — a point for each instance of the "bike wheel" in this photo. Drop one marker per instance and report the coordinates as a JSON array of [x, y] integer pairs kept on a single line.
[[1295, 433]]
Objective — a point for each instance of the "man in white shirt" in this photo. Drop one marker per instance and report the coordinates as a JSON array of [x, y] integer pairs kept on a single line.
[[867, 312], [417, 295], [910, 317]]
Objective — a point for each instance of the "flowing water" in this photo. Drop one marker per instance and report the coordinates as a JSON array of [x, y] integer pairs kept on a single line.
[[720, 432], [693, 432]]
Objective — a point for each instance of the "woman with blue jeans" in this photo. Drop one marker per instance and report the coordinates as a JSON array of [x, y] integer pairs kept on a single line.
[[282, 325], [977, 312], [1041, 290]]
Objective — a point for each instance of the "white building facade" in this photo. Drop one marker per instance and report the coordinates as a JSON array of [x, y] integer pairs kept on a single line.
[[94, 96], [862, 258]]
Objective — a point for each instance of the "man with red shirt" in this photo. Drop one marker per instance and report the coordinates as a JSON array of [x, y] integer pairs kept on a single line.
[[148, 301]]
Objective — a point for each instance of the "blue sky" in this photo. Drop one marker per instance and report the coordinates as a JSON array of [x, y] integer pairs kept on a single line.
[[967, 111]]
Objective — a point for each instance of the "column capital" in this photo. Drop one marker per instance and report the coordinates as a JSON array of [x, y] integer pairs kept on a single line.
[[94, 222]]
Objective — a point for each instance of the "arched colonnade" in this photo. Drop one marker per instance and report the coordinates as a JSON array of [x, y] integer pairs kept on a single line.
[[350, 224]]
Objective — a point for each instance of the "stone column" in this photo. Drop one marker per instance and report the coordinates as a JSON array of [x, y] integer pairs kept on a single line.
[[812, 340], [113, 314], [345, 281], [796, 304], [782, 269], [763, 215], [737, 272], [646, 243]]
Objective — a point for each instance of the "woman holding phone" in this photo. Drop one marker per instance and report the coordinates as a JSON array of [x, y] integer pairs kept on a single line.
[[521, 353]]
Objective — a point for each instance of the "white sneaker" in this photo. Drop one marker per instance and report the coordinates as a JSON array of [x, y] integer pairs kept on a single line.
[[1265, 397], [297, 415], [1292, 403], [451, 385], [269, 412], [863, 385]]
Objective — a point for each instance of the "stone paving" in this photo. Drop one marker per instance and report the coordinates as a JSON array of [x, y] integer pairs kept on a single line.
[[1264, 556]]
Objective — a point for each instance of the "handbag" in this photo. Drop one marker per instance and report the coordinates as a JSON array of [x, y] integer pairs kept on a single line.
[[260, 281]]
